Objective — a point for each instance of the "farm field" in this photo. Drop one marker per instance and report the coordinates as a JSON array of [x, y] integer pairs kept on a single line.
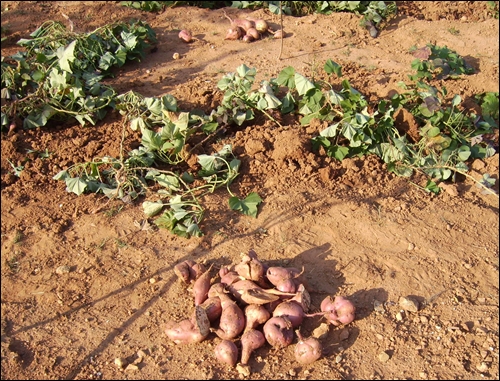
[[88, 279]]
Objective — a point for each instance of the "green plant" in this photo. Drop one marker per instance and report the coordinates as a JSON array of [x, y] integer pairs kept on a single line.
[[18, 237], [438, 62], [59, 74], [493, 8], [16, 169], [454, 31], [13, 264]]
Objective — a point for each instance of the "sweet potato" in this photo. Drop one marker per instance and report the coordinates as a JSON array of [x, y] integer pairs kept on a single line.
[[255, 314], [339, 310], [232, 319], [285, 279], [307, 350], [252, 269], [250, 341], [184, 332], [278, 331], [247, 292], [183, 270], [212, 307], [226, 352], [201, 287], [292, 310]]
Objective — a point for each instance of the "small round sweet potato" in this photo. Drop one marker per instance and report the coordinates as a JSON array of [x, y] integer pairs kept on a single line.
[[226, 352]]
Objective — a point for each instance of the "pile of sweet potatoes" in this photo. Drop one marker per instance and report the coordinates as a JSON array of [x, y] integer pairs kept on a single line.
[[250, 305]]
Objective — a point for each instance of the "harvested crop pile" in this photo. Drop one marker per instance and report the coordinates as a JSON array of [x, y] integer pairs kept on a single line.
[[249, 305]]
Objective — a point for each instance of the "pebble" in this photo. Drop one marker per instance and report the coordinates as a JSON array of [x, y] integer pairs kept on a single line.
[[120, 362], [321, 331], [338, 359], [409, 303], [244, 370], [292, 372], [399, 316], [383, 356], [176, 56], [411, 246], [344, 334], [378, 306], [132, 367], [63, 270], [483, 367]]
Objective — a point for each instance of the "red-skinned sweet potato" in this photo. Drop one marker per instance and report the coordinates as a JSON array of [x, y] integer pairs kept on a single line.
[[226, 352], [278, 331], [339, 310], [250, 341]]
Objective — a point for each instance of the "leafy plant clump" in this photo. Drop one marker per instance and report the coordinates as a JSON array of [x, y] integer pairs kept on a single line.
[[59, 75], [70, 70], [372, 11], [436, 62]]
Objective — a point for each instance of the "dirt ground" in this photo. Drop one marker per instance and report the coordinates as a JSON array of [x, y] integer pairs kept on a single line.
[[358, 230]]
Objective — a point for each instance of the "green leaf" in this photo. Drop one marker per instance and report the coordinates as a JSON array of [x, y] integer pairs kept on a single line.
[[464, 153], [287, 103], [287, 77], [152, 208], [194, 230], [431, 186], [61, 175], [129, 40], [247, 206], [75, 185], [66, 56], [456, 100], [333, 67], [331, 131], [303, 84], [338, 152], [151, 140]]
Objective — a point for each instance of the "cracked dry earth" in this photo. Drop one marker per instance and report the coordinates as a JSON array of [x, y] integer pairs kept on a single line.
[[358, 230]]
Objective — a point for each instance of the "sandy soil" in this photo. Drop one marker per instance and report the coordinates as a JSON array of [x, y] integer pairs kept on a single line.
[[357, 230]]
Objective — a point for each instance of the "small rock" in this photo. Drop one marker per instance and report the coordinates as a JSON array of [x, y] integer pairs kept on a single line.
[[423, 375], [244, 370], [321, 332], [120, 362], [399, 316], [451, 189], [292, 372], [338, 359], [152, 280], [411, 246], [483, 367], [481, 331], [378, 306], [409, 303], [63, 270], [384, 357], [132, 367], [344, 334], [424, 319], [176, 56], [141, 353]]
